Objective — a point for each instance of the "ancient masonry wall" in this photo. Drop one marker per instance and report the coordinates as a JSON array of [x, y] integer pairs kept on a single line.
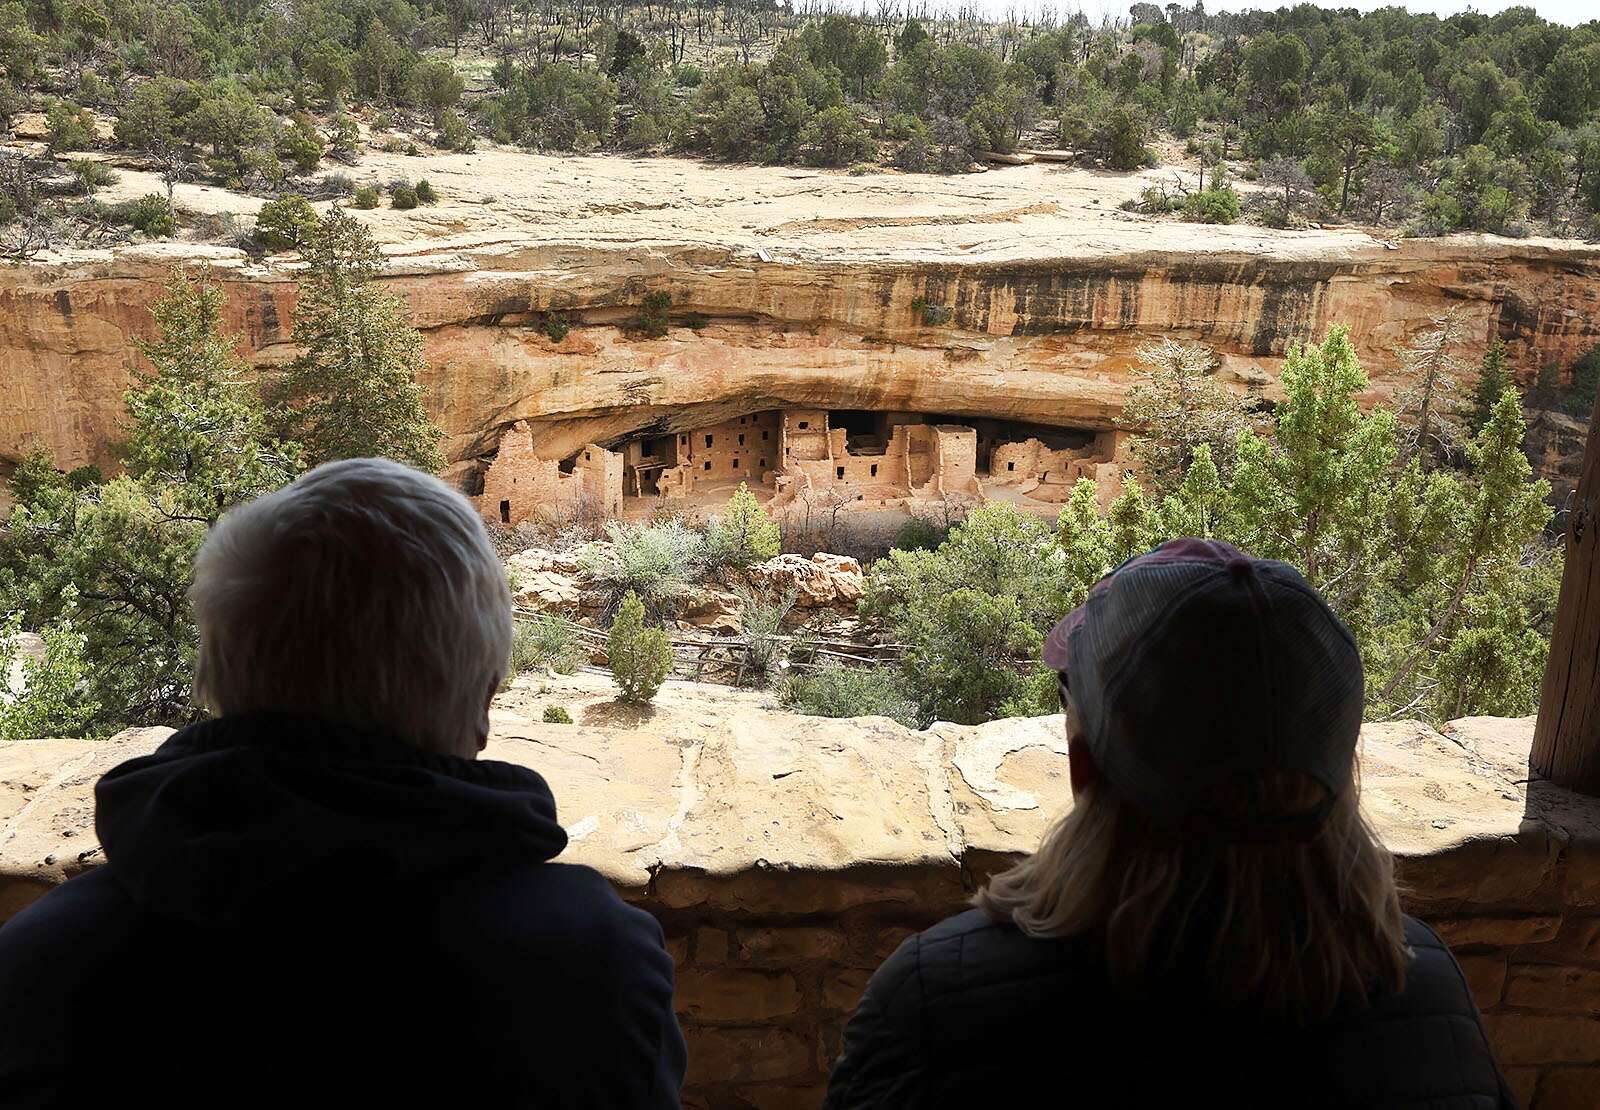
[[520, 485], [770, 965]]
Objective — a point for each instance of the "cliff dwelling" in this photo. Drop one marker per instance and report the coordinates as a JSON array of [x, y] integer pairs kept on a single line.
[[800, 461]]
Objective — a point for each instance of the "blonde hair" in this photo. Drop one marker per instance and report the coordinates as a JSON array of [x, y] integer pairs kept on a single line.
[[1292, 931]]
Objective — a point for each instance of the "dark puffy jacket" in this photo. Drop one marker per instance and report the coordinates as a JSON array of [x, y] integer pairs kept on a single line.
[[972, 1013], [291, 914]]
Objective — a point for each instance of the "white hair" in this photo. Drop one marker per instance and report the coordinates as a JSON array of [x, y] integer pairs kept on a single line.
[[365, 592]]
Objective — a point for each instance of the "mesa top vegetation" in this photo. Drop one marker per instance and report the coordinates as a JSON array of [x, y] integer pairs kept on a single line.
[[1473, 122]]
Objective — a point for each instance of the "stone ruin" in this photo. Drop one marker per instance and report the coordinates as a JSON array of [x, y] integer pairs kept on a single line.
[[802, 461]]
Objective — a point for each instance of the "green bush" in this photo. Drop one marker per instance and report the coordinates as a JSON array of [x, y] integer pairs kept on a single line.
[[92, 175], [366, 196], [150, 214], [301, 145], [933, 315], [742, 534], [286, 223], [557, 715], [641, 658], [70, 127], [654, 562], [834, 690], [540, 642], [1213, 206], [454, 134], [653, 318], [403, 195], [919, 534], [556, 326], [425, 193]]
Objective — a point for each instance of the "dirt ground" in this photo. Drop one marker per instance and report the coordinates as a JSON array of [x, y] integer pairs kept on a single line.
[[502, 195]]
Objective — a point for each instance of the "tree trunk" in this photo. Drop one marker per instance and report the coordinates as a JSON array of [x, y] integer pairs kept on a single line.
[[1566, 740]]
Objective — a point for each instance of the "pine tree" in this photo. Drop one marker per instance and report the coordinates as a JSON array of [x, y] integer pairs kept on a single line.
[[743, 534], [1493, 379], [1426, 404], [640, 657], [1179, 405], [354, 389], [54, 699], [196, 425]]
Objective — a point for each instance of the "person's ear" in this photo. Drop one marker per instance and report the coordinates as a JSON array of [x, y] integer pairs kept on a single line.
[[1081, 768], [483, 723]]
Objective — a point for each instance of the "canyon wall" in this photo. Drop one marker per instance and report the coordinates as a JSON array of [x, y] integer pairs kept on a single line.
[[1049, 339], [786, 856]]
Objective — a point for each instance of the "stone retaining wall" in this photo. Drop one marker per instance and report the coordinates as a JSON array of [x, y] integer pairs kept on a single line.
[[786, 857]]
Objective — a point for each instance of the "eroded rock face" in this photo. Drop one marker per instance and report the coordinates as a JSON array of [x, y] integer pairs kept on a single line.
[[1047, 339]]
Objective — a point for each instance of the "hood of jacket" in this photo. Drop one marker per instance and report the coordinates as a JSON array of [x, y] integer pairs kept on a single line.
[[228, 815]]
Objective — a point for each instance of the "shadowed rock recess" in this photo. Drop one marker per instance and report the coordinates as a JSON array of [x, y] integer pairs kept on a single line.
[[786, 856]]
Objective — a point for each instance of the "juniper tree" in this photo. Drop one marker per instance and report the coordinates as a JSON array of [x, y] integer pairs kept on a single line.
[[1178, 405], [354, 390], [196, 425], [1493, 380], [1427, 405]]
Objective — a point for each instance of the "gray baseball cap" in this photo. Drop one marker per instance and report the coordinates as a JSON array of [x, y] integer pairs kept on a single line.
[[1196, 663]]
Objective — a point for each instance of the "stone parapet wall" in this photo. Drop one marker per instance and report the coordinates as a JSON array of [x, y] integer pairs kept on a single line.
[[786, 856]]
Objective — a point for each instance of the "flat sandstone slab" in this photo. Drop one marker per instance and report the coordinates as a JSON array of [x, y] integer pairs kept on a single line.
[[719, 783]]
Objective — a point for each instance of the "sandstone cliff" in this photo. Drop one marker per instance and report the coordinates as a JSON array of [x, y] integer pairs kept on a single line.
[[805, 281]]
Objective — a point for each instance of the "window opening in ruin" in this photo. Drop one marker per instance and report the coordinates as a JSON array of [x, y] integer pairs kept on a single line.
[[839, 471], [995, 433], [1011, 466], [683, 441], [741, 439], [708, 464], [708, 441], [874, 470], [804, 424], [763, 464], [567, 466], [505, 512], [764, 434], [587, 457], [736, 464]]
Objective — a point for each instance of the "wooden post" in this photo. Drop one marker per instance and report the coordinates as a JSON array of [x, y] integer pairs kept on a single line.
[[1566, 740]]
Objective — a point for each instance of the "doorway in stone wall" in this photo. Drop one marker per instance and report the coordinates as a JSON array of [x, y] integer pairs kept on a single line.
[[505, 512]]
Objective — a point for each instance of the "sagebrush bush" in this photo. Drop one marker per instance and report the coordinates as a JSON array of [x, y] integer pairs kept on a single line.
[[641, 658], [403, 195], [425, 193], [556, 326], [834, 690], [542, 641], [366, 196], [654, 561], [557, 715]]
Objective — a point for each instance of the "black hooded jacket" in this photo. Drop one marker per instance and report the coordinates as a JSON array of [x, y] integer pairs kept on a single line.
[[292, 914], [973, 1013]]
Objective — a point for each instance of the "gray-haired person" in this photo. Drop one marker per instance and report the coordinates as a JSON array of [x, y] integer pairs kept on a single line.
[[1213, 923], [321, 897]]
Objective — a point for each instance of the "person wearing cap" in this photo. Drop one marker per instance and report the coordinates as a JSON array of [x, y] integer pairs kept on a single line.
[[1213, 922]]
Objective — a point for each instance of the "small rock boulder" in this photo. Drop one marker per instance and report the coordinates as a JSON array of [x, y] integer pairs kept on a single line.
[[824, 581]]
